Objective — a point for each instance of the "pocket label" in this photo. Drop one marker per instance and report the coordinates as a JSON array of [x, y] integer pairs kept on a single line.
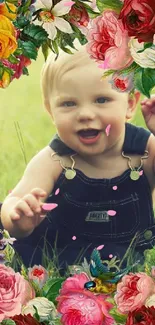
[[97, 216]]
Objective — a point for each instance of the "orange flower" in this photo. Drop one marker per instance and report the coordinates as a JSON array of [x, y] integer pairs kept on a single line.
[[5, 81], [5, 11], [8, 43]]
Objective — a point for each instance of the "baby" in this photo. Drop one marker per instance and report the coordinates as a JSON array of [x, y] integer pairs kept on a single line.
[[97, 175]]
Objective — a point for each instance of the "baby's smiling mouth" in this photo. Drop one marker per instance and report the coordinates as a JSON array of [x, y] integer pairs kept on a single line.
[[89, 133]]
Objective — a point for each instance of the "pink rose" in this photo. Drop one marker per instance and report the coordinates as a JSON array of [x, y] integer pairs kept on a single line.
[[108, 40], [14, 292], [133, 290], [38, 274], [80, 306]]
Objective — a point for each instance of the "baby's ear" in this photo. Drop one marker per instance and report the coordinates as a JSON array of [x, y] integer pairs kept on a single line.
[[132, 103]]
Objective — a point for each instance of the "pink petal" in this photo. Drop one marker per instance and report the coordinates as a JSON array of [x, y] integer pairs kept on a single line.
[[49, 206], [111, 212], [141, 173], [74, 237], [100, 247], [69, 3], [114, 188], [101, 66], [107, 130], [57, 191], [110, 256]]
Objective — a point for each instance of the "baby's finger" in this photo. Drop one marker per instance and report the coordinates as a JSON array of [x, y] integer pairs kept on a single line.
[[22, 208], [32, 202], [38, 192]]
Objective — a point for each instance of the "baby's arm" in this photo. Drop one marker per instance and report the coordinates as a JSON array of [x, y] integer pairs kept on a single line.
[[21, 210]]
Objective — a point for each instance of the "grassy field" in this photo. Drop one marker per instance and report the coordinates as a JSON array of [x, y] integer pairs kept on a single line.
[[25, 127]]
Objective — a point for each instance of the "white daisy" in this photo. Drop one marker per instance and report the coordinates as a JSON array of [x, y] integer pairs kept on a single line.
[[50, 19]]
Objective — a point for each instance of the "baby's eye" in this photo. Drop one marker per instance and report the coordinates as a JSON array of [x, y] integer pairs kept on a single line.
[[68, 103], [101, 100]]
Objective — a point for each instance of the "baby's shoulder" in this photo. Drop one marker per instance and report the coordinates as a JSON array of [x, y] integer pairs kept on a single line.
[[43, 163]]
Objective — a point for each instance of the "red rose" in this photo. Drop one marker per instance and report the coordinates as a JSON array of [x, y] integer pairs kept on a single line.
[[25, 320], [143, 315], [138, 17], [78, 16]]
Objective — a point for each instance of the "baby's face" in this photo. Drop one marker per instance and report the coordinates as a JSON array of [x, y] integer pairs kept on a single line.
[[83, 107]]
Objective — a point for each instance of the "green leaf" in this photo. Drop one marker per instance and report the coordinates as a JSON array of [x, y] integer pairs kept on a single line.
[[9, 253], [144, 80], [21, 22], [119, 318], [13, 59], [45, 49], [8, 321], [108, 73], [25, 71], [55, 46], [51, 288], [28, 49], [1, 72], [115, 5], [35, 33]]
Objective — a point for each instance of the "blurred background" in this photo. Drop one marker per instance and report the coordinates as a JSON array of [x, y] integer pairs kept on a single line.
[[25, 126]]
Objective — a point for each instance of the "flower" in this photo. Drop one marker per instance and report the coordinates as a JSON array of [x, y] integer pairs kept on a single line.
[[14, 291], [4, 83], [45, 308], [141, 316], [108, 40], [80, 306], [38, 274], [25, 320], [122, 82], [50, 17], [78, 16], [150, 301], [138, 17], [133, 290], [8, 43], [145, 58], [10, 11]]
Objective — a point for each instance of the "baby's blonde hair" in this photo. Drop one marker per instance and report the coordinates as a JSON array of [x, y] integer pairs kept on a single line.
[[53, 69]]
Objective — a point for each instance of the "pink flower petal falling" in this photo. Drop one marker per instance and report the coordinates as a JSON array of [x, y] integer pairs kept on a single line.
[[74, 237], [69, 3], [110, 256], [107, 130], [100, 247], [57, 191], [115, 187], [141, 173], [49, 206], [111, 213]]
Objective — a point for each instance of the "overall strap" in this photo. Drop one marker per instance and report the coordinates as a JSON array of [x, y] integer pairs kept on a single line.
[[60, 147], [136, 139]]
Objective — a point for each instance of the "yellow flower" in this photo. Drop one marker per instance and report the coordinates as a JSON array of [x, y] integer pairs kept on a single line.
[[5, 81], [8, 43], [5, 11]]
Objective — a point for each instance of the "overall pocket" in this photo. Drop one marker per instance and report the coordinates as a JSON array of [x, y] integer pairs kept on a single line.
[[96, 220]]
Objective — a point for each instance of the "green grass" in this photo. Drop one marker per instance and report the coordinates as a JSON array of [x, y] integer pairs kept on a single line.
[[24, 119], [21, 114]]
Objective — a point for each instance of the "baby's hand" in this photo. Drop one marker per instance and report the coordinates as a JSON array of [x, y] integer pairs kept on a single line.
[[148, 110], [29, 206]]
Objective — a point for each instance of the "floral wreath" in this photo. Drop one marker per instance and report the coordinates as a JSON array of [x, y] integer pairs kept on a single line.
[[120, 36], [96, 293]]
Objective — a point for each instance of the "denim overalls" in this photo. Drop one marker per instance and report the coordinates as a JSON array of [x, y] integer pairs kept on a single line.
[[82, 222]]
